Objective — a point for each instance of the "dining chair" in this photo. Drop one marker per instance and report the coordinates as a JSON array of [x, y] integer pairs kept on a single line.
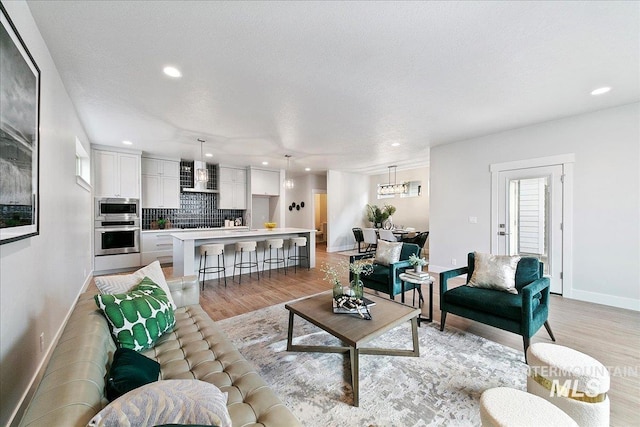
[[370, 238], [387, 235]]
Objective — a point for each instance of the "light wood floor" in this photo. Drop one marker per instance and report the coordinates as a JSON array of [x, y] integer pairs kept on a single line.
[[610, 335]]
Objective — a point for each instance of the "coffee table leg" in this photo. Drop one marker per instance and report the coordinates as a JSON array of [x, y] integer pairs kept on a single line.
[[354, 355], [290, 332]]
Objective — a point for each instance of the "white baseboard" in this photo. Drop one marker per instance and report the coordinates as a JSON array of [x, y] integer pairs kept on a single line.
[[611, 300], [340, 248], [439, 268], [26, 397]]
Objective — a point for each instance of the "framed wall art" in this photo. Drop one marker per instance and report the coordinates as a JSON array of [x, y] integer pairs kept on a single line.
[[19, 135]]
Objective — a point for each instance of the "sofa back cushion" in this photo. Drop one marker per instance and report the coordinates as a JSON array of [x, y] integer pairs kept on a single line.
[[529, 269]]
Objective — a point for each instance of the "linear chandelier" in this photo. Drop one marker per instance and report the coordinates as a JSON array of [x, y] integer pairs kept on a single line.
[[395, 188]]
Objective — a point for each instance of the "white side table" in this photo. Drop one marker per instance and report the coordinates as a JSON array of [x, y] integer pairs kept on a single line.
[[404, 277]]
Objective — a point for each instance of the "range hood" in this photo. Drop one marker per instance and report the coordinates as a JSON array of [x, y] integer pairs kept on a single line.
[[199, 187]]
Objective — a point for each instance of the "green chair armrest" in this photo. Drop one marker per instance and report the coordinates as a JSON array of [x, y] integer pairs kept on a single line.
[[446, 275], [542, 286]]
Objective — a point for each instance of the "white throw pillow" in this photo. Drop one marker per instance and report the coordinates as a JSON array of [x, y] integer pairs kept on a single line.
[[121, 283], [167, 402], [494, 272], [388, 252]]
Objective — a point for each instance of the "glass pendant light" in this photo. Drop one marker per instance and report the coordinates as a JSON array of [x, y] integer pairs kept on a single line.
[[288, 182], [202, 174]]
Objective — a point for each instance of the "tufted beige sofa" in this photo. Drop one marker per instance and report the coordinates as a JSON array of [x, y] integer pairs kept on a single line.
[[72, 390]]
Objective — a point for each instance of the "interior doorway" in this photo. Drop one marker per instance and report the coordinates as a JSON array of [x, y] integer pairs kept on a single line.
[[320, 215], [531, 214]]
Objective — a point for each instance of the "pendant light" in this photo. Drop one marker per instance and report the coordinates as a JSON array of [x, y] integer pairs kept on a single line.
[[395, 188], [288, 182], [202, 174]]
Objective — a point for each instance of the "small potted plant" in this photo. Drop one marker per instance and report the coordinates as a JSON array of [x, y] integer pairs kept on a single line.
[[162, 223], [417, 262]]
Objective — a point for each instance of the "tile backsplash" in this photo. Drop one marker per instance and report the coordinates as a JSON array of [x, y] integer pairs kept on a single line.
[[196, 210]]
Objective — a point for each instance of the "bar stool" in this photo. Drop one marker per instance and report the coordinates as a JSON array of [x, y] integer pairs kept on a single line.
[[296, 243], [273, 244], [211, 250], [245, 247]]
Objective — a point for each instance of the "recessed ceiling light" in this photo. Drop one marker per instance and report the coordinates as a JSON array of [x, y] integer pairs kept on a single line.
[[208, 155], [307, 169], [127, 142], [600, 90], [172, 72], [395, 144], [265, 163]]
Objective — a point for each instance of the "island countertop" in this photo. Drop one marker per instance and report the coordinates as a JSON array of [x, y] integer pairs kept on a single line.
[[186, 245], [240, 232]]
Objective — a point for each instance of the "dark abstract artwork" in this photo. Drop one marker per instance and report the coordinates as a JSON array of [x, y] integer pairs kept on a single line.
[[19, 136]]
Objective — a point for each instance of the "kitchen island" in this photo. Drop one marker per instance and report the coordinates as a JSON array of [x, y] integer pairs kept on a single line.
[[186, 245]]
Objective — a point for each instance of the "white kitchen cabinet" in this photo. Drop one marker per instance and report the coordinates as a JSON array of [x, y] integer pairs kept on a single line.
[[116, 174], [156, 246], [233, 188], [160, 183], [265, 182]]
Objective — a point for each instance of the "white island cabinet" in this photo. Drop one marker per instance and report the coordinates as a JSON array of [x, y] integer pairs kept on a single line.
[[186, 245]]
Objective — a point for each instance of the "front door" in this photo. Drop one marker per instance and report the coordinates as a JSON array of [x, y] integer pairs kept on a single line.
[[529, 217]]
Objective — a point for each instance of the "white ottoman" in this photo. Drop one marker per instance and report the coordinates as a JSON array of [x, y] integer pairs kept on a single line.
[[508, 407], [574, 382]]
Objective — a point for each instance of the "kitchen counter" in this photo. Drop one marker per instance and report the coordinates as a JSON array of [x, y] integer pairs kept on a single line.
[[186, 252]]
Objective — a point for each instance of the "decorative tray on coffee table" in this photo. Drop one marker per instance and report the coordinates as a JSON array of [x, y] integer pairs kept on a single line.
[[348, 304]]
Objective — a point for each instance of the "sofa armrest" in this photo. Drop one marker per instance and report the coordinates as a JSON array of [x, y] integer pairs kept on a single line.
[[185, 290], [446, 275]]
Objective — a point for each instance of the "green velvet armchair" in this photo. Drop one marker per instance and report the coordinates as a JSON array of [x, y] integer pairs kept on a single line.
[[523, 313], [386, 279]]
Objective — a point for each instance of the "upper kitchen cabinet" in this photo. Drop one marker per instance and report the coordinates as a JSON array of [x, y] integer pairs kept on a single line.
[[265, 182], [233, 188], [160, 183], [116, 174]]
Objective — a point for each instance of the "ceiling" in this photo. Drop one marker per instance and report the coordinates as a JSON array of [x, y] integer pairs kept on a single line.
[[334, 84]]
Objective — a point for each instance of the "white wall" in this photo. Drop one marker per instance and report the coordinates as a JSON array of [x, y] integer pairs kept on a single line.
[[606, 191], [303, 192], [347, 196], [40, 277], [410, 211]]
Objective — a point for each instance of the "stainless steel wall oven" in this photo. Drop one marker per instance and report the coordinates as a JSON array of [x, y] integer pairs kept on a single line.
[[117, 226]]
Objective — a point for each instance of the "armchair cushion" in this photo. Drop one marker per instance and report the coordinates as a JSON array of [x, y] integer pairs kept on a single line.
[[495, 272], [388, 252], [490, 301]]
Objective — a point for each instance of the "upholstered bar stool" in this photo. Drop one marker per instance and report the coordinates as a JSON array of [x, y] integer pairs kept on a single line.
[[507, 407], [296, 243], [571, 380], [271, 244], [211, 251], [245, 248]]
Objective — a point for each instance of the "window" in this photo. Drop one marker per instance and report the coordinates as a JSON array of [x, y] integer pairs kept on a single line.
[[83, 167]]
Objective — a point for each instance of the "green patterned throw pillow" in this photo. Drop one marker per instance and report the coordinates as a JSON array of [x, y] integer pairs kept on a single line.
[[138, 317]]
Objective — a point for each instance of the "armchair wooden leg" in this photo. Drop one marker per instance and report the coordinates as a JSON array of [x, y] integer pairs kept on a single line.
[[548, 328], [443, 317], [526, 341]]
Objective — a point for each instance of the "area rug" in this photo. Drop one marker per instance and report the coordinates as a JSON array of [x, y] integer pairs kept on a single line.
[[440, 388]]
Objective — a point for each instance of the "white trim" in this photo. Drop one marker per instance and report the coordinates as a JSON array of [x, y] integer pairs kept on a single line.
[[610, 300], [339, 248], [533, 163], [84, 184], [567, 161]]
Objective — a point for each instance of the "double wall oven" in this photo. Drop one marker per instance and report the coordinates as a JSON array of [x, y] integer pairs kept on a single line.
[[117, 226]]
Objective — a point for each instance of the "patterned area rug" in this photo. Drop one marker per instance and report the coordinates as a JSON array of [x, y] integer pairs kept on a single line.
[[441, 387]]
